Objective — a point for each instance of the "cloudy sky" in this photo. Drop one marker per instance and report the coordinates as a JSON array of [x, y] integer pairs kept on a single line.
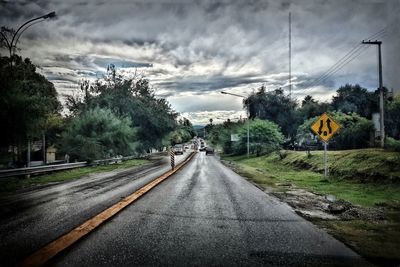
[[192, 50]]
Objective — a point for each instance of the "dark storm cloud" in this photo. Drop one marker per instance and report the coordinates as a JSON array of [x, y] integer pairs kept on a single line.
[[197, 47], [201, 84], [120, 63]]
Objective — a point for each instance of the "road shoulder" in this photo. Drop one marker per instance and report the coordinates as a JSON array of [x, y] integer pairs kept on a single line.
[[373, 232]]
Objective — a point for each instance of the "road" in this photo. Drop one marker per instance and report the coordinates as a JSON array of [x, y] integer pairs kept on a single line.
[[31, 219], [204, 215]]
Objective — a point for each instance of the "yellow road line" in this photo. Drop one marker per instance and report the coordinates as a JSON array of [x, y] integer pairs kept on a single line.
[[52, 249]]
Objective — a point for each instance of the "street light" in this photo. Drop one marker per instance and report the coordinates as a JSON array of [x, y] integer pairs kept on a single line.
[[248, 121], [12, 45]]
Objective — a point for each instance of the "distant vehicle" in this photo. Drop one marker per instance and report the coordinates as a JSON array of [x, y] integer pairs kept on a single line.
[[186, 147], [202, 146], [178, 149], [209, 151]]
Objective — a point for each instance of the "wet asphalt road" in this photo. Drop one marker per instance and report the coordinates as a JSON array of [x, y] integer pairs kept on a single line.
[[31, 219], [207, 215]]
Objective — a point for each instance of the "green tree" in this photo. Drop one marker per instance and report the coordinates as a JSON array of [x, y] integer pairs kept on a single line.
[[274, 106], [220, 135], [355, 131], [392, 118], [311, 108], [129, 97], [182, 134], [27, 100], [265, 137], [98, 133], [354, 98]]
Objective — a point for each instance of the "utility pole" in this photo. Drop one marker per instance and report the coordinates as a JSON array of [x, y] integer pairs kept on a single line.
[[381, 110], [248, 130], [290, 54]]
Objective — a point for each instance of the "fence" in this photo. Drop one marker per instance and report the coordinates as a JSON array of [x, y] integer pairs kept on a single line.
[[59, 167]]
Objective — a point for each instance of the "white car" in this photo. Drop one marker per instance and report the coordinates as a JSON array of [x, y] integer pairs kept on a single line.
[[178, 149]]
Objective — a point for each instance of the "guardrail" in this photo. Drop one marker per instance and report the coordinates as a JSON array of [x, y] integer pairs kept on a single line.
[[41, 169], [59, 167]]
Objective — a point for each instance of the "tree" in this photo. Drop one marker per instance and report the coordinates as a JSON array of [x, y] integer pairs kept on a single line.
[[355, 131], [6, 36], [27, 100], [265, 137], [274, 106], [182, 134], [311, 108], [129, 97], [392, 118], [354, 98], [98, 133]]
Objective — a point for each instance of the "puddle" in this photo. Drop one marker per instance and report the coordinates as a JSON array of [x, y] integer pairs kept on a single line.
[[316, 214], [330, 198], [326, 207]]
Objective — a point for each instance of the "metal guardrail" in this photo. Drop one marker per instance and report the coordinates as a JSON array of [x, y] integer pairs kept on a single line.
[[41, 169], [59, 167]]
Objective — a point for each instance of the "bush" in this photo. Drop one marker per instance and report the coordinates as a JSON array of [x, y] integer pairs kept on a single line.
[[392, 144], [354, 133], [220, 135], [265, 137], [392, 118], [98, 133]]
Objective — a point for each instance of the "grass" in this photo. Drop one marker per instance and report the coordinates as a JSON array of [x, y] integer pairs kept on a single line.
[[368, 178], [15, 183], [305, 173], [375, 165], [377, 241]]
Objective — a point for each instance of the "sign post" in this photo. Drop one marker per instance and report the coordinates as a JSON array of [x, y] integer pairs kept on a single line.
[[325, 160], [325, 127]]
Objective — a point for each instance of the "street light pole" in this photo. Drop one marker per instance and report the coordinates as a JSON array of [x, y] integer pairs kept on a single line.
[[11, 44], [248, 121], [381, 102]]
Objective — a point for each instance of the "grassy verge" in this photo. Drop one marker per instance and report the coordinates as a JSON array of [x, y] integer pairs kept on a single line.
[[15, 183], [378, 241], [363, 165], [267, 171]]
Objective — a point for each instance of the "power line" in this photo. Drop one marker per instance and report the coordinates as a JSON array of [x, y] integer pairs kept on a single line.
[[342, 61], [360, 51], [338, 63], [346, 59]]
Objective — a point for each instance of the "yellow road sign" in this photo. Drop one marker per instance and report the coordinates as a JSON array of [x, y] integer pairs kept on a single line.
[[325, 127]]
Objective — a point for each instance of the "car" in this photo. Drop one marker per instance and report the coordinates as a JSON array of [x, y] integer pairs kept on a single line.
[[202, 148], [178, 149], [209, 151]]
